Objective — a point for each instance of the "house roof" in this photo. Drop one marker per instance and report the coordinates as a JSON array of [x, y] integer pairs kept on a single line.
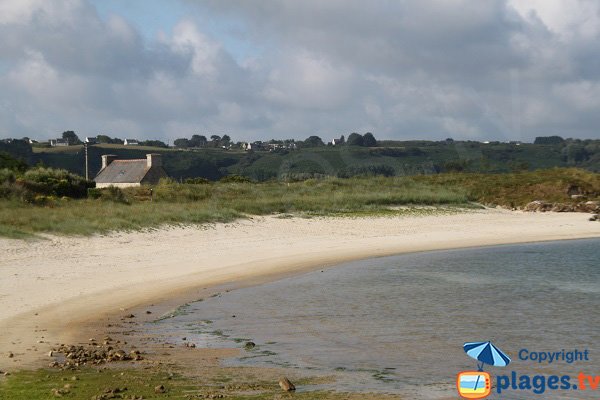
[[123, 171]]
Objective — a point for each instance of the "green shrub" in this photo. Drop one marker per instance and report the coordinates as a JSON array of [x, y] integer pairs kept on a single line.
[[235, 179], [55, 182], [367, 170], [7, 176], [110, 193], [196, 181]]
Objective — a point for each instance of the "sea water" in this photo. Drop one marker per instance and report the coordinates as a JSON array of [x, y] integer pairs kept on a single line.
[[398, 324]]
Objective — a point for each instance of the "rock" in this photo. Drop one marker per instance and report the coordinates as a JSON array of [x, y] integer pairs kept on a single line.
[[538, 206], [60, 392], [249, 345], [592, 206], [286, 385], [560, 207], [50, 353], [148, 312], [159, 389], [130, 316], [595, 217], [10, 354]]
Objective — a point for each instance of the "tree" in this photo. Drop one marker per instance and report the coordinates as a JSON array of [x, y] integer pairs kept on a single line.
[[103, 139], [225, 140], [313, 141], [369, 140], [342, 139], [71, 137], [9, 162], [153, 143], [182, 143], [215, 140], [548, 140], [198, 141], [354, 139]]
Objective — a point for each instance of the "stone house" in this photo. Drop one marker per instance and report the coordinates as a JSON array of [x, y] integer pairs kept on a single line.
[[128, 173]]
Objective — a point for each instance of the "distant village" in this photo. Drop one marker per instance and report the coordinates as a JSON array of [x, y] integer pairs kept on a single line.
[[224, 142]]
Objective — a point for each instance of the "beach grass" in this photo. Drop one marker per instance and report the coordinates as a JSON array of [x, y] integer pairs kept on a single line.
[[517, 189], [192, 204], [186, 204]]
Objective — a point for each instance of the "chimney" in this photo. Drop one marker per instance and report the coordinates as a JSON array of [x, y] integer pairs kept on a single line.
[[107, 159], [153, 160]]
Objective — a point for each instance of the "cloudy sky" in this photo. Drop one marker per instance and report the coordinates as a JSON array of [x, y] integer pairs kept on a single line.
[[261, 69]]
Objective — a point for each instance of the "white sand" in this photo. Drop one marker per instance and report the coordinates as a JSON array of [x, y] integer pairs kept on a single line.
[[68, 281]]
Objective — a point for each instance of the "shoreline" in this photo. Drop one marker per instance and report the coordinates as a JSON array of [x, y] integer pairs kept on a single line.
[[220, 266]]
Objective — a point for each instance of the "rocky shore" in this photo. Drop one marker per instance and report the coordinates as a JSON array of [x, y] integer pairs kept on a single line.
[[544, 206]]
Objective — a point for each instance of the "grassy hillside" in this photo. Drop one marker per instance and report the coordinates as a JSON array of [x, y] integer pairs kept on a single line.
[[388, 159]]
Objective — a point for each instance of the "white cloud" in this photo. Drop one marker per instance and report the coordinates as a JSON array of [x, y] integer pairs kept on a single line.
[[433, 68]]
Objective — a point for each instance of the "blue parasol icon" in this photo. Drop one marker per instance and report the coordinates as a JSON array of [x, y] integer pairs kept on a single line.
[[486, 353]]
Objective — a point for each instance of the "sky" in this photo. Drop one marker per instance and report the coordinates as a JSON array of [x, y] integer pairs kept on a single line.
[[262, 69]]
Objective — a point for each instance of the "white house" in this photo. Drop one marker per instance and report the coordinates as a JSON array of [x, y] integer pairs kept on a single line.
[[59, 142]]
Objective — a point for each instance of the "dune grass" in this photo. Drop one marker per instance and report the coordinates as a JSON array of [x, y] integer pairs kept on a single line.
[[182, 204], [518, 189], [175, 203]]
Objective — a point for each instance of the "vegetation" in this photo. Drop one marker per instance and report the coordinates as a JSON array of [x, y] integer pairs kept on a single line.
[[517, 189], [174, 203], [197, 202], [71, 138], [131, 382], [206, 158], [214, 184], [40, 185]]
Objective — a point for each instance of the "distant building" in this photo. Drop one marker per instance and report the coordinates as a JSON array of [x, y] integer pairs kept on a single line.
[[59, 142], [128, 173], [131, 142], [91, 140]]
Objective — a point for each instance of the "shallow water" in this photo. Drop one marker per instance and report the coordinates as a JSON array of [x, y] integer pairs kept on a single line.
[[397, 324]]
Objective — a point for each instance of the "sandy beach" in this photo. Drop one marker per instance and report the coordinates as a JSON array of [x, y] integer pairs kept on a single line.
[[54, 289]]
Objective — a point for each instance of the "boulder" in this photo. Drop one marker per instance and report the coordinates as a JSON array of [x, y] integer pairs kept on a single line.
[[560, 207], [286, 385], [538, 206], [592, 206]]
